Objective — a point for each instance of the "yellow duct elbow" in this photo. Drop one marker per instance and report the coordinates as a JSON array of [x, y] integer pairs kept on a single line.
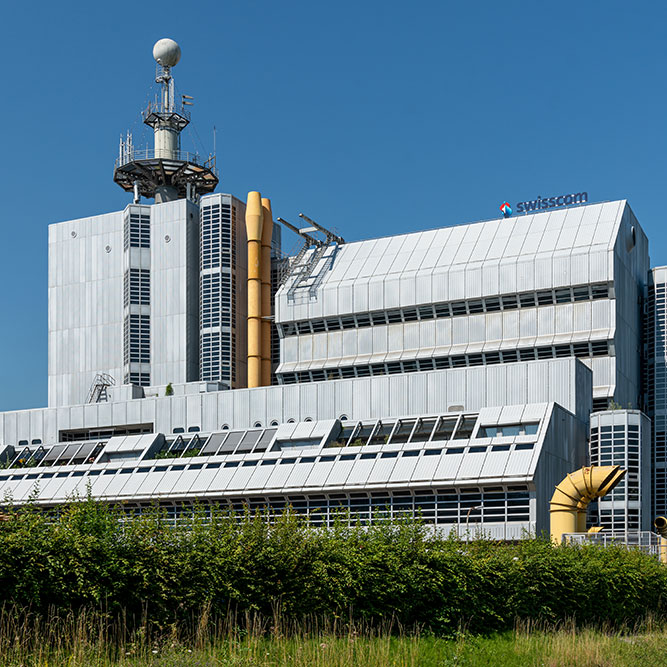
[[660, 524], [571, 497]]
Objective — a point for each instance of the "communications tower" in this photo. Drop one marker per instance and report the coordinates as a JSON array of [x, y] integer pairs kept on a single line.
[[164, 172]]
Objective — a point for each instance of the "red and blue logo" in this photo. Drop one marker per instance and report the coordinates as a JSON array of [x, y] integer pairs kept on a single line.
[[506, 209]]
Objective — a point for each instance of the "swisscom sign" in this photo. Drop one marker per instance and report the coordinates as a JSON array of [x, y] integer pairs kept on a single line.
[[542, 203]]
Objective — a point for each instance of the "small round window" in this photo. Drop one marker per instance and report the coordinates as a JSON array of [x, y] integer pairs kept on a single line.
[[274, 422], [257, 425], [343, 418], [225, 427]]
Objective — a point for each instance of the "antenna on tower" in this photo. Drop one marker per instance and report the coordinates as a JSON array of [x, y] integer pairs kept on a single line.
[[165, 172]]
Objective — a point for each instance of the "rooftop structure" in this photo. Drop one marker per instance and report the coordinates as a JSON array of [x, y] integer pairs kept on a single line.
[[165, 172]]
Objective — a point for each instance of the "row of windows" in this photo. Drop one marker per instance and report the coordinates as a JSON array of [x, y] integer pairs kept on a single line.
[[449, 309], [137, 348], [582, 350], [210, 300], [216, 236], [137, 287], [215, 356], [469, 508], [466, 507], [137, 230]]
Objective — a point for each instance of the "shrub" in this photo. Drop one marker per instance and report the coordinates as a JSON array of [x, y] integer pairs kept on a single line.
[[95, 555]]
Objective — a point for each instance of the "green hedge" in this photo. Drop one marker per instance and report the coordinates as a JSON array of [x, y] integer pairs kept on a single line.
[[93, 555]]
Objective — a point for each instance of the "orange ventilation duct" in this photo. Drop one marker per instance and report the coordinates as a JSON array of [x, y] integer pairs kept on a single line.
[[267, 234], [254, 222]]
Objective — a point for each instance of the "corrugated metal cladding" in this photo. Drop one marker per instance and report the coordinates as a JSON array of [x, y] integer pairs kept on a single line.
[[559, 282], [566, 381], [495, 455]]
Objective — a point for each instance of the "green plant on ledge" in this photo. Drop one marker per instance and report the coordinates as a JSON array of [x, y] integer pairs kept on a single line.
[[169, 391]]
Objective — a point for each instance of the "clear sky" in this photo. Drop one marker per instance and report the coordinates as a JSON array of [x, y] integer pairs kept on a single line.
[[372, 117]]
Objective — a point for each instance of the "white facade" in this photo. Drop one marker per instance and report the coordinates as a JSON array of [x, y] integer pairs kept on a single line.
[[486, 470], [174, 292], [564, 381], [124, 298], [86, 269], [552, 284]]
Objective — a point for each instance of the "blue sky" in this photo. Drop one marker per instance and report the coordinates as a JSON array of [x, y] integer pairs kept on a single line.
[[372, 117]]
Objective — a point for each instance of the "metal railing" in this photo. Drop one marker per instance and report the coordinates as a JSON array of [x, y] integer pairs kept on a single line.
[[644, 540], [162, 154]]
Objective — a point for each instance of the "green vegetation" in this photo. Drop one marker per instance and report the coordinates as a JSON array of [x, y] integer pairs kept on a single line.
[[151, 574], [169, 390], [86, 638]]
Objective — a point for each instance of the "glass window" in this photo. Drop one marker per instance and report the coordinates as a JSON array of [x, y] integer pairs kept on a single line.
[[343, 436], [423, 431], [465, 428], [381, 434], [402, 432], [444, 429], [361, 435]]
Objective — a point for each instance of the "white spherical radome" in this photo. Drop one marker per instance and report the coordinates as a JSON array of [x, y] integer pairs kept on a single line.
[[167, 52]]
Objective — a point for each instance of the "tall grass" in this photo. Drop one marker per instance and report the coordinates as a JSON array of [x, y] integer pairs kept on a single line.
[[88, 638]]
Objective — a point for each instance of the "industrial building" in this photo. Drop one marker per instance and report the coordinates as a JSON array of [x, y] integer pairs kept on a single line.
[[457, 373]]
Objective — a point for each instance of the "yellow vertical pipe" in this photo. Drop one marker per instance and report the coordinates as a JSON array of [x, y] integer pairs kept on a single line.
[[254, 222], [267, 233]]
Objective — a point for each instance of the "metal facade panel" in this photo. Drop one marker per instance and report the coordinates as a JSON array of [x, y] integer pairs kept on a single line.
[[519, 463], [448, 467], [340, 471], [344, 393], [471, 466], [241, 409], [360, 471], [425, 468], [382, 469], [257, 406], [475, 386], [495, 464], [423, 291], [261, 474], [241, 477], [319, 474], [360, 296], [403, 470], [380, 393], [376, 293]]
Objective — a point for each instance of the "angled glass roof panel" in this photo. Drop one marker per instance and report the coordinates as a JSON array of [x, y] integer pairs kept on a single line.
[[249, 441], [213, 444], [231, 442], [265, 440]]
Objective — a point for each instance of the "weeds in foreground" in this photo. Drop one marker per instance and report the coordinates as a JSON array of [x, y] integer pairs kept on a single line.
[[92, 638]]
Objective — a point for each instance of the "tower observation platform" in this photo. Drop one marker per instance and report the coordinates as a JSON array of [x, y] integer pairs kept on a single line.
[[165, 172]]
